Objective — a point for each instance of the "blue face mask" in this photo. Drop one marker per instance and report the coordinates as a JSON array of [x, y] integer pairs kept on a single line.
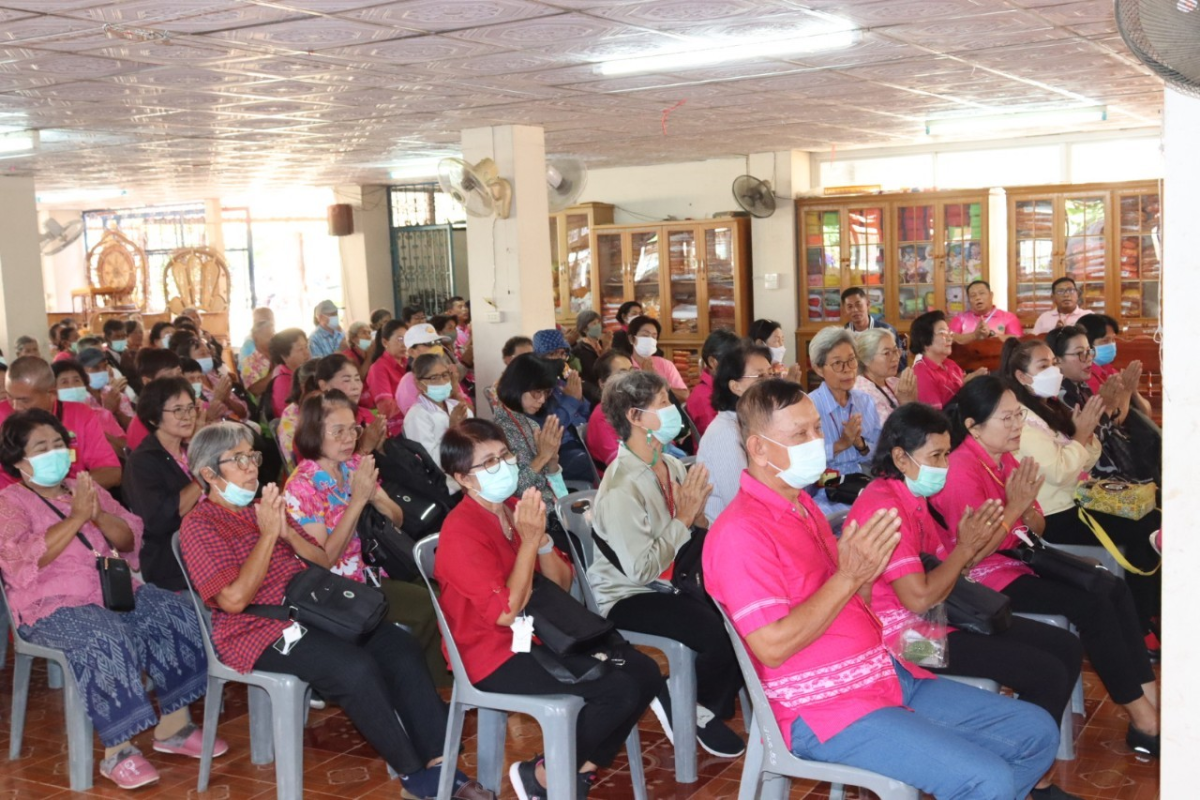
[[118, 346], [166, 341], [236, 495], [498, 486], [198, 388], [206, 364], [49, 468], [930, 480], [76, 394], [439, 393], [98, 380], [1105, 354], [670, 423], [365, 344]]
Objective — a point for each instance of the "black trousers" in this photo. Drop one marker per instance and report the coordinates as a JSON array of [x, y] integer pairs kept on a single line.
[[373, 682], [1108, 628], [699, 626], [1065, 527], [613, 703], [1037, 661]]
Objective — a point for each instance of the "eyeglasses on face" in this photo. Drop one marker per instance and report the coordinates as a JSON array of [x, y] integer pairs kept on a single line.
[[344, 431], [843, 366], [1082, 355], [244, 461], [437, 378], [1066, 291], [1014, 420], [541, 394], [492, 465], [182, 412]]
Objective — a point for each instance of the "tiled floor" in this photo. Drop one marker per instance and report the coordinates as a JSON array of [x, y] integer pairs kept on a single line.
[[338, 764]]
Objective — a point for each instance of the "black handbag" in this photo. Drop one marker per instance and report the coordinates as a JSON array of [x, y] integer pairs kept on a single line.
[[562, 623], [116, 578], [688, 575], [416, 483], [386, 547], [1058, 565], [972, 606], [847, 490], [328, 602]]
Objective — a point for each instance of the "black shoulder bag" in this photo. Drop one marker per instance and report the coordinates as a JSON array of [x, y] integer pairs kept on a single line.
[[328, 602], [973, 606], [688, 575], [1059, 565], [577, 645], [116, 578], [385, 546]]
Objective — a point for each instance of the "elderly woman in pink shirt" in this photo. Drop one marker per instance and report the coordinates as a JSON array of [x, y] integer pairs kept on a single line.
[[51, 531]]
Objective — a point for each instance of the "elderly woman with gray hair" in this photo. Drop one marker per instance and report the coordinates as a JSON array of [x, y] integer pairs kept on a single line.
[[647, 513], [878, 362], [589, 346], [849, 421], [238, 553]]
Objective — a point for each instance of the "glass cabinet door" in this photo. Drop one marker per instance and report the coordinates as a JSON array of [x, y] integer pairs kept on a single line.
[[866, 254], [610, 265], [1139, 254], [916, 259], [683, 278], [719, 257], [1085, 255], [556, 270], [577, 275], [962, 246], [1034, 252], [644, 255], [823, 264]]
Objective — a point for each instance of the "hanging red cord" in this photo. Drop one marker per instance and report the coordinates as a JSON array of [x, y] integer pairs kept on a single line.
[[667, 112]]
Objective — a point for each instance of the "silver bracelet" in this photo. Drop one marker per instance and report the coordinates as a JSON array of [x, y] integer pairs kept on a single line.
[[547, 550]]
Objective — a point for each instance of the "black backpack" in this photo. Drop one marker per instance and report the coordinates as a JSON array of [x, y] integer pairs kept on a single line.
[[411, 478], [385, 546]]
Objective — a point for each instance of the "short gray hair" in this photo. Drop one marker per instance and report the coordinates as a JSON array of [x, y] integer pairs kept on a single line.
[[867, 344], [424, 364], [212, 442], [634, 389], [825, 340], [358, 326], [585, 319]]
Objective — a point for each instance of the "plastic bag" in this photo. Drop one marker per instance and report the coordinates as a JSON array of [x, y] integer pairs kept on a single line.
[[923, 640]]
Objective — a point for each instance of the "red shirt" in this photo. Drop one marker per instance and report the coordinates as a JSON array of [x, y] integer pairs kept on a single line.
[[974, 478], [280, 389], [137, 431], [763, 557], [699, 403], [216, 542], [937, 383], [602, 441], [474, 560], [1099, 375], [91, 447], [383, 378]]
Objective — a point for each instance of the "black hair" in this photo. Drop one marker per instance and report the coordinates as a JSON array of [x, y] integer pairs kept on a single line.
[[1064, 279], [637, 323], [718, 344], [1017, 355], [978, 282], [155, 396], [187, 365], [303, 381], [920, 333], [113, 326], [379, 316], [510, 347], [525, 373], [69, 365], [183, 342], [1057, 339], [853, 291], [977, 401], [14, 435], [183, 320], [448, 305], [151, 361], [624, 309], [761, 329], [439, 321], [408, 312], [1095, 326], [131, 325], [282, 343], [156, 331], [383, 334], [732, 367], [329, 366], [310, 430], [908, 427], [603, 368], [459, 441]]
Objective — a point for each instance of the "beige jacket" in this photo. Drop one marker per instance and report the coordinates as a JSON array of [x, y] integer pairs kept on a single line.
[[1061, 461]]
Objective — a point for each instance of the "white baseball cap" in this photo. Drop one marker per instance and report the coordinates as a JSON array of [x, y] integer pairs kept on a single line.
[[422, 334]]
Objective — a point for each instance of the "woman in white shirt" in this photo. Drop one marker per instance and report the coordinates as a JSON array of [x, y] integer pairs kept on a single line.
[[437, 407]]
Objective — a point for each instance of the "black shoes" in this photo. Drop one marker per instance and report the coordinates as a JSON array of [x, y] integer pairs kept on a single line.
[[1141, 742], [717, 738]]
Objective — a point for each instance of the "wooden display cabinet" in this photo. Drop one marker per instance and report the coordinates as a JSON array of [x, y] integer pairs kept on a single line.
[[572, 248], [1107, 237]]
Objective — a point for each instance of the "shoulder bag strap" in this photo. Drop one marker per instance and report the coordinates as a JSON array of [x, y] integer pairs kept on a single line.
[[1098, 531], [79, 534]]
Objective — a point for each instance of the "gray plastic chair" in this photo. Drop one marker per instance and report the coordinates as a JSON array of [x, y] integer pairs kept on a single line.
[[79, 724], [557, 715], [581, 432], [688, 461], [769, 760], [1066, 726], [278, 708]]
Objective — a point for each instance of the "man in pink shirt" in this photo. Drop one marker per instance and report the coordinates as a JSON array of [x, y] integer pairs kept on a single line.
[[982, 319], [31, 385], [1066, 309], [799, 599]]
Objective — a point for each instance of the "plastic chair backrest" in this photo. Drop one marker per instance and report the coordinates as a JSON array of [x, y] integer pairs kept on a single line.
[[8, 612], [201, 610], [425, 554]]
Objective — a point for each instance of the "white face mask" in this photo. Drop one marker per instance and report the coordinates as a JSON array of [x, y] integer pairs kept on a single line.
[[777, 354], [645, 346], [1047, 382], [806, 463]]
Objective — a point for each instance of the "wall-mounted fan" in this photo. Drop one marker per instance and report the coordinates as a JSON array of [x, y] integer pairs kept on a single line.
[[478, 187], [1165, 35], [56, 237], [565, 181], [754, 195]]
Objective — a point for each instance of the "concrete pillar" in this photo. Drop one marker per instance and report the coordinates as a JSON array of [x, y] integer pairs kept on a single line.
[[773, 242], [1180, 769], [22, 297], [366, 254], [998, 247], [508, 258]]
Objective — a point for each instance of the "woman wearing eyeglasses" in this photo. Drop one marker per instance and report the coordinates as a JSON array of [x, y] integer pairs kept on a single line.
[[878, 363], [938, 377], [438, 407], [158, 485]]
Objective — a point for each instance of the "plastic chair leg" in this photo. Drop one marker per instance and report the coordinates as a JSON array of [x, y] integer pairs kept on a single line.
[[637, 770], [79, 737], [54, 675], [492, 730], [214, 699], [454, 728], [1066, 736], [777, 787], [681, 684], [558, 733], [262, 738], [22, 666], [288, 724], [1077, 705], [753, 765]]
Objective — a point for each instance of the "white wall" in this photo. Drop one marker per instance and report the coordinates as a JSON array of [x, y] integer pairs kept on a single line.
[[22, 306], [691, 190], [65, 270]]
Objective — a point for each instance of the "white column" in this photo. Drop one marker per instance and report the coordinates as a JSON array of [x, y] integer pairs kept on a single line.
[[998, 247], [22, 297], [508, 259], [773, 242], [1180, 769], [366, 254]]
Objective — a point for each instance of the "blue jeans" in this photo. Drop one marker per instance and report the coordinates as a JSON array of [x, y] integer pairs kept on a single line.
[[951, 741]]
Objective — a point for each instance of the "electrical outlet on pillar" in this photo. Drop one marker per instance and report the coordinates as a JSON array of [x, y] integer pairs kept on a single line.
[[494, 316]]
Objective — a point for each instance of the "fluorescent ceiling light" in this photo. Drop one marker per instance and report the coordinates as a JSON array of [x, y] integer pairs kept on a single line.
[[415, 169], [711, 53], [18, 141], [80, 195], [941, 126]]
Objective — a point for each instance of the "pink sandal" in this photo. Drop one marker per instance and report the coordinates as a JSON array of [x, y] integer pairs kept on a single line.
[[189, 742], [131, 770]]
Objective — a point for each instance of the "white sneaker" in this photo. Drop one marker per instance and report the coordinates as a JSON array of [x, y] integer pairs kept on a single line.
[[664, 717]]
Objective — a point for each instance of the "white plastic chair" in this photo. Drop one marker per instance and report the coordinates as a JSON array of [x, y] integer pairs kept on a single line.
[[1066, 726], [768, 758], [278, 708], [79, 724], [557, 715]]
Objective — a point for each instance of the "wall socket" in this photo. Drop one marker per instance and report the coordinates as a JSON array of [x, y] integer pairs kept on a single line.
[[494, 316]]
